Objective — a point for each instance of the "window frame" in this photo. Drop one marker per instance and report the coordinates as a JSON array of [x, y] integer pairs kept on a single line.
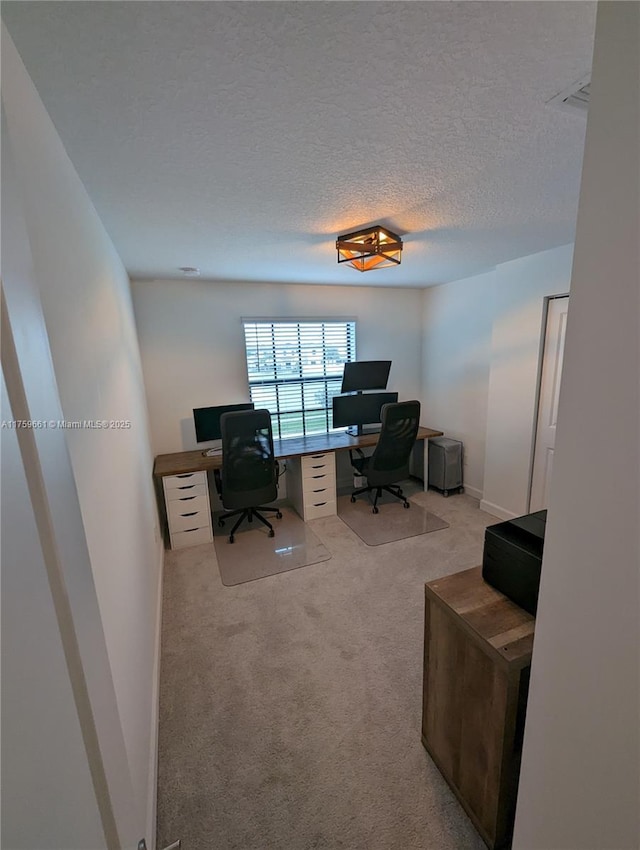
[[336, 333]]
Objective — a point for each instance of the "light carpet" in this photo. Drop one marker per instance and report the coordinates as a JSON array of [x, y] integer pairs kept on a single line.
[[392, 522], [290, 708], [254, 554]]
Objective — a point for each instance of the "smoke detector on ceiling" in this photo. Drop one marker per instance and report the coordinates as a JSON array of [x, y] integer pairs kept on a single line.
[[575, 98]]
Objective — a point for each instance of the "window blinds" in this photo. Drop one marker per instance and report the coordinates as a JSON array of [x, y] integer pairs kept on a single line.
[[295, 368]]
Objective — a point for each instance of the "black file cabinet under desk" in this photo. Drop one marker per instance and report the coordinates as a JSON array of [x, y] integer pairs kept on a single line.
[[477, 659]]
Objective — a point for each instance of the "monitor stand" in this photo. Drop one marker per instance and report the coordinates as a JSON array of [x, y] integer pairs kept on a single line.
[[355, 430], [361, 430], [213, 451]]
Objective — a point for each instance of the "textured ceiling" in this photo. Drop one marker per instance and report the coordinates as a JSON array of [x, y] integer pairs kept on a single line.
[[242, 137]]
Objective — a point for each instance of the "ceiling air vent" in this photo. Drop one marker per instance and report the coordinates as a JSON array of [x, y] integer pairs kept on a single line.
[[575, 98]]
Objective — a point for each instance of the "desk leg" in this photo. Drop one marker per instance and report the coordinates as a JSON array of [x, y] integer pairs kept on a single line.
[[425, 449]]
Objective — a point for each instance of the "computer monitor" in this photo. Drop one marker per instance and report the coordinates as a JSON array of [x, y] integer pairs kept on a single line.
[[207, 420], [356, 411], [365, 375]]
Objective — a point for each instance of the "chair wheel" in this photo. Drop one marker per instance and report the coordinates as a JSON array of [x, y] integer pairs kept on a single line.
[[220, 523], [353, 498], [445, 493], [376, 510], [406, 505], [272, 533], [279, 515], [231, 538]]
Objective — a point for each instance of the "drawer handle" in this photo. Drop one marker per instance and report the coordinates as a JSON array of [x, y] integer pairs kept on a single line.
[[187, 498], [186, 475], [321, 490], [319, 504], [318, 476], [317, 457], [186, 487], [318, 466], [193, 513], [187, 530]]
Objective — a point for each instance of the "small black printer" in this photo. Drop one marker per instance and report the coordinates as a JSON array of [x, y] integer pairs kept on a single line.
[[512, 558]]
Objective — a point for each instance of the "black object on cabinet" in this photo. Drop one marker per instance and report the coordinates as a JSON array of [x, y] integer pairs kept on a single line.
[[512, 558]]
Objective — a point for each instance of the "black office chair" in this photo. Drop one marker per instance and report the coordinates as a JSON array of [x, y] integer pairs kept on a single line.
[[249, 468], [389, 462]]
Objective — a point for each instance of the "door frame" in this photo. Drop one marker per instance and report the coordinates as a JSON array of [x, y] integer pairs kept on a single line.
[[541, 352]]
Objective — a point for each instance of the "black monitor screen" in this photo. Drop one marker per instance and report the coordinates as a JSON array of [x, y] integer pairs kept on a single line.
[[362, 409], [207, 420], [365, 375]]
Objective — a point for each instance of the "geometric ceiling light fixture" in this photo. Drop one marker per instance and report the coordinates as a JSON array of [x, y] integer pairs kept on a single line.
[[372, 248]]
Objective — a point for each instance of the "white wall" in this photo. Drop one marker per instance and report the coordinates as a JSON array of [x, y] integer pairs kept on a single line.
[[516, 346], [469, 350], [43, 752], [456, 359], [86, 302], [580, 784], [192, 341], [481, 356]]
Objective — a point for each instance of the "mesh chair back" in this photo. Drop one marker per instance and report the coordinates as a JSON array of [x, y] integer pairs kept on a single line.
[[389, 462], [249, 475]]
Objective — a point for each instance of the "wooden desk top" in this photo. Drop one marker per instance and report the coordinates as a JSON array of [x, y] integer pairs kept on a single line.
[[499, 625], [179, 463]]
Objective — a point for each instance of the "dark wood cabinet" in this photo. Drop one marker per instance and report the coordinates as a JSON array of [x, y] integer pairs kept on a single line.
[[477, 658]]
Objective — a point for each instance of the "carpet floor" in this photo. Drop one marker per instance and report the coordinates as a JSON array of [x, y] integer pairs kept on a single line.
[[290, 707]]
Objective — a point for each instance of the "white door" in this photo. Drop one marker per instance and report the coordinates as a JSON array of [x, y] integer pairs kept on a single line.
[[548, 402]]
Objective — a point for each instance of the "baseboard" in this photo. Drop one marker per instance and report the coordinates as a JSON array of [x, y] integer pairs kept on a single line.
[[496, 510], [155, 713], [473, 491]]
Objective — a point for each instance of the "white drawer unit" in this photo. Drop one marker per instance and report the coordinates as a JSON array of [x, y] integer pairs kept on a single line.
[[191, 537], [186, 491], [188, 509], [187, 504], [315, 510], [320, 464], [185, 480], [190, 512], [311, 485]]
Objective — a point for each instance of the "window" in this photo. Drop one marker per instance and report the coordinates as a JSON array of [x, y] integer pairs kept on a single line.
[[295, 369]]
